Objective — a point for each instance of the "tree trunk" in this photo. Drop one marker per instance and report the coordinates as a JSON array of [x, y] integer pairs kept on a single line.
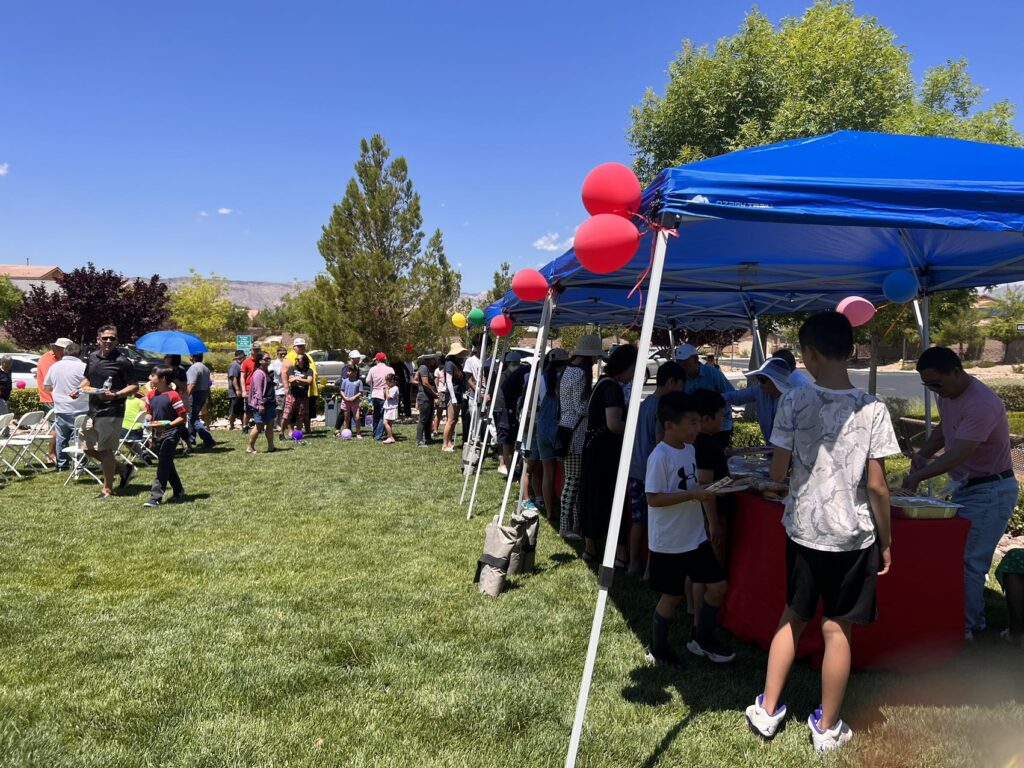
[[873, 370]]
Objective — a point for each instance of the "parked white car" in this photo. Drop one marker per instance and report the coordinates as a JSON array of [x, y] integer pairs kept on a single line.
[[23, 368]]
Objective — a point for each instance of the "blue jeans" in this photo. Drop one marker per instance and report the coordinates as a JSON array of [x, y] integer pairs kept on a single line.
[[988, 507], [199, 398], [378, 418], [65, 426]]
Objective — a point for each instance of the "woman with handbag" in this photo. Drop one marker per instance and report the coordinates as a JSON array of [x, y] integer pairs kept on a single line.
[[606, 422], [573, 395]]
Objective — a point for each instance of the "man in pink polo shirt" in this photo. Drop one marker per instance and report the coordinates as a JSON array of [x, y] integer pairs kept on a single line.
[[974, 437], [376, 381]]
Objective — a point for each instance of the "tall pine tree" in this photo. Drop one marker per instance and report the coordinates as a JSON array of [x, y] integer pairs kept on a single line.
[[387, 289]]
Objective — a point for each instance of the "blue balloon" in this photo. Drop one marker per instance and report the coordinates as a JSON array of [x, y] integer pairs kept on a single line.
[[900, 287]]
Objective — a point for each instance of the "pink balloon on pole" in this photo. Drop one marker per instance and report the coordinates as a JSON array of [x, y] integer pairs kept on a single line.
[[19, 385], [501, 325], [612, 188], [605, 243], [529, 285], [856, 309]]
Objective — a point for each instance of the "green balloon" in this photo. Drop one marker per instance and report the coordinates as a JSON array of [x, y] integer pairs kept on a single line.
[[476, 316]]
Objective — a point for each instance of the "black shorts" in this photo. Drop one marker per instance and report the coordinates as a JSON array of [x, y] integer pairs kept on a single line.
[[506, 428], [844, 581], [668, 571], [235, 405]]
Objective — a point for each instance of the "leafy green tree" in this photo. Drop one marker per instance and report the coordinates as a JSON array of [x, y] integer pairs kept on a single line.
[[828, 70], [201, 305], [1009, 311], [958, 327], [10, 298], [381, 288], [502, 282], [237, 320]]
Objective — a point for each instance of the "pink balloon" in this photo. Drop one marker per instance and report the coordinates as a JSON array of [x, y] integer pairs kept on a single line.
[[501, 325], [20, 385], [606, 243], [856, 309]]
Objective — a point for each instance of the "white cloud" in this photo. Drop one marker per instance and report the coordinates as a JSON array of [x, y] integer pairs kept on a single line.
[[223, 211], [552, 242], [4, 167], [203, 214]]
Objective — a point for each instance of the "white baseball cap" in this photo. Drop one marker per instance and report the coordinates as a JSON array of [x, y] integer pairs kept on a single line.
[[686, 351], [62, 343], [299, 342], [355, 353]]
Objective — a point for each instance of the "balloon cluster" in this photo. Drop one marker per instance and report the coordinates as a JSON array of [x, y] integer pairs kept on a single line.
[[899, 288], [608, 239]]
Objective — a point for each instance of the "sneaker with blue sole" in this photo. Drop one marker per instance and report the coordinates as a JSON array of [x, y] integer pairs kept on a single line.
[[830, 738], [763, 723]]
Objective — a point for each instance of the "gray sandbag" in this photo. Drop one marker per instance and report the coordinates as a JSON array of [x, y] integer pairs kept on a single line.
[[492, 568], [515, 561], [530, 545]]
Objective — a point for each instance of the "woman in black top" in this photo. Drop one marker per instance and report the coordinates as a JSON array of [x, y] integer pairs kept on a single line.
[[606, 421], [5, 382]]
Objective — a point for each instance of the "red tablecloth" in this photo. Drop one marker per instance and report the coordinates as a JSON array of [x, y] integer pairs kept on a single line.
[[920, 600]]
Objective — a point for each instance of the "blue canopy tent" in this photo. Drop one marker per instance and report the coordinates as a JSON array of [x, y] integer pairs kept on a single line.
[[791, 226], [804, 223]]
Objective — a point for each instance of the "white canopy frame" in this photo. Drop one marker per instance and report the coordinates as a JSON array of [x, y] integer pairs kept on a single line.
[[529, 409], [606, 572], [493, 377], [474, 420]]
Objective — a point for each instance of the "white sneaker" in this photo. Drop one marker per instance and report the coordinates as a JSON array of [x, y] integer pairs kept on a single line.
[[502, 471], [762, 723], [826, 741]]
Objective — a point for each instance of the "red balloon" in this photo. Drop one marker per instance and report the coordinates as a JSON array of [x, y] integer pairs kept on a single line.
[[529, 285], [612, 188], [501, 325], [605, 243], [408, 348]]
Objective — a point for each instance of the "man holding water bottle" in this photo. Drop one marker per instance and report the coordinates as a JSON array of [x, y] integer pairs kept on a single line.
[[109, 379]]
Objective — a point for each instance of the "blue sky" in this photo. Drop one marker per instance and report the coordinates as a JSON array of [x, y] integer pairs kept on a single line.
[[154, 137]]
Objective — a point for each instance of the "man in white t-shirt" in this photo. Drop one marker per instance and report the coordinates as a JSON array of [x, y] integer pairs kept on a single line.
[[64, 377], [471, 372], [679, 547]]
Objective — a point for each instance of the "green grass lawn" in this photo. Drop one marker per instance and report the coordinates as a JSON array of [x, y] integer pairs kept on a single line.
[[315, 607]]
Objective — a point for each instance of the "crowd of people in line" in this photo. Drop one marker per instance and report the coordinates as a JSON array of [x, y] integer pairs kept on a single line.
[[828, 439]]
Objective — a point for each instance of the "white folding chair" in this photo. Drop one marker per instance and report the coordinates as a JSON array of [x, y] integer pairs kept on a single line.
[[20, 439], [130, 447], [41, 437], [76, 451], [5, 422]]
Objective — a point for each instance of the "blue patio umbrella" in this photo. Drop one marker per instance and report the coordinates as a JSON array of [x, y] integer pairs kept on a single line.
[[171, 343]]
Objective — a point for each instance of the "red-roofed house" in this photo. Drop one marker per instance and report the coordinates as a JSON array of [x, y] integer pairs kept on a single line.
[[24, 277]]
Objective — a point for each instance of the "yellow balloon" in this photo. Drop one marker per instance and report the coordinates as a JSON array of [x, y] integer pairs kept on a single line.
[[459, 320]]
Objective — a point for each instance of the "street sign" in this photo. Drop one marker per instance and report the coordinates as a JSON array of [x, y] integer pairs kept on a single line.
[[243, 343], [1020, 327]]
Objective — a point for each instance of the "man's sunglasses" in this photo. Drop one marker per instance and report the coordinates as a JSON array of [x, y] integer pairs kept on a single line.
[[111, 339]]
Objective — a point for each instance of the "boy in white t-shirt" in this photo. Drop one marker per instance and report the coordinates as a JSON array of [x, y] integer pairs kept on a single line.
[[679, 546], [836, 438]]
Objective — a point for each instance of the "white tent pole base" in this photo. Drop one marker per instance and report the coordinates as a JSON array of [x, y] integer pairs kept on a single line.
[[476, 481], [588, 675], [493, 376]]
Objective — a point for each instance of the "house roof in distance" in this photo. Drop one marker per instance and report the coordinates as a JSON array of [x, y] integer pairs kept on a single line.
[[25, 272]]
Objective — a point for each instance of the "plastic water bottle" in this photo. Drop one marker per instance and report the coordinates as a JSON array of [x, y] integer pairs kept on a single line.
[[108, 384]]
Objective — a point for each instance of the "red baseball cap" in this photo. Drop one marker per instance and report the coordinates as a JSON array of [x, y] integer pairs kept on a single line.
[[380, 356]]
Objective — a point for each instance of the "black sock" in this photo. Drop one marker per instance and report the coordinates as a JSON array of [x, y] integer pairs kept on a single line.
[[659, 632], [706, 621]]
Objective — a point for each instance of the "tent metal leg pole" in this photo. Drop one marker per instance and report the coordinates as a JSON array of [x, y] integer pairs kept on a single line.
[[607, 570], [756, 350], [474, 421], [672, 341], [530, 400], [926, 342], [493, 377]]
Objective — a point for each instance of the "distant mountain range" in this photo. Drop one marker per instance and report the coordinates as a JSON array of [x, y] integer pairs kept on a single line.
[[256, 294]]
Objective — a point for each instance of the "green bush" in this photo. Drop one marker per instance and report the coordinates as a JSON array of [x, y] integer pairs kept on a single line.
[[7, 346], [1016, 525], [22, 401], [218, 362], [746, 434], [987, 364], [1011, 394]]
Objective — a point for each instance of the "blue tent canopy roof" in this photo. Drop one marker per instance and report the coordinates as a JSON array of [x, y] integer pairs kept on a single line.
[[804, 223]]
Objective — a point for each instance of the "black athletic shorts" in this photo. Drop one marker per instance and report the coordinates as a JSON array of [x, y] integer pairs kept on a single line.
[[235, 405], [668, 571], [844, 581], [506, 427]]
